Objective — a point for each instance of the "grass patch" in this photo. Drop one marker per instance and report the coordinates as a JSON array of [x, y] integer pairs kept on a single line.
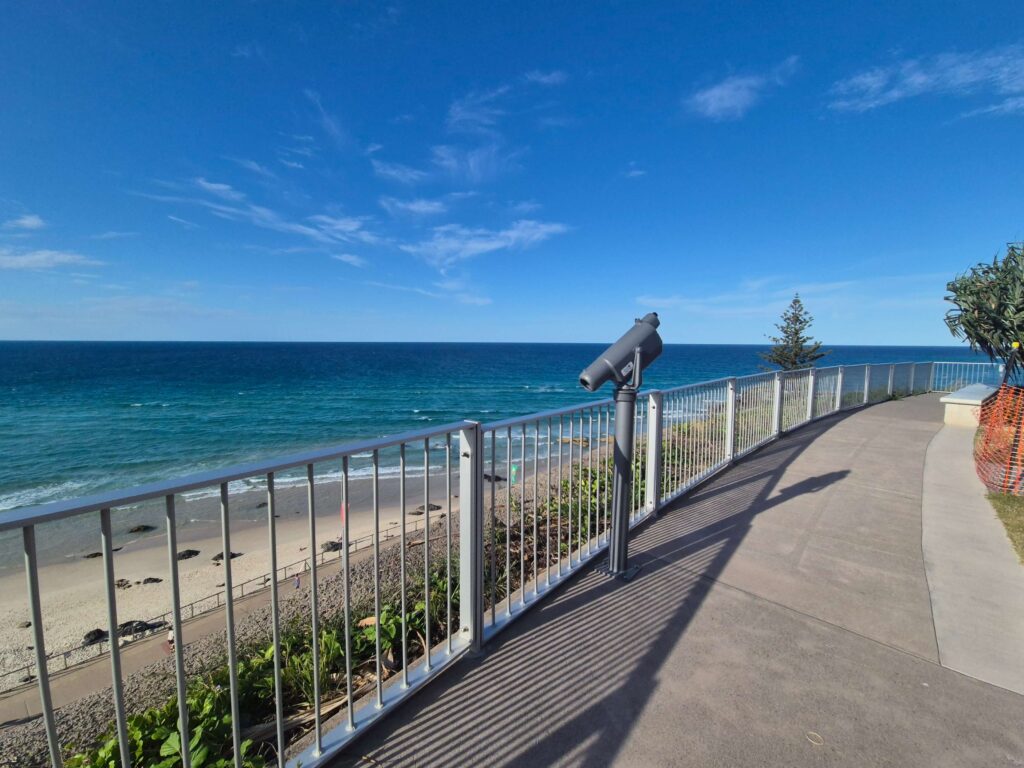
[[1010, 510]]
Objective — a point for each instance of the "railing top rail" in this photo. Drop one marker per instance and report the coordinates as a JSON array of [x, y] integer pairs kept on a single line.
[[515, 421], [721, 380], [56, 510]]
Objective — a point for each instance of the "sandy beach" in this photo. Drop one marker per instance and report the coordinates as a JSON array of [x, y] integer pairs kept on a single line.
[[73, 588]]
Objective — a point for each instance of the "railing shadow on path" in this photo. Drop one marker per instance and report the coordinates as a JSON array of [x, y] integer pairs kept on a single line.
[[568, 683]]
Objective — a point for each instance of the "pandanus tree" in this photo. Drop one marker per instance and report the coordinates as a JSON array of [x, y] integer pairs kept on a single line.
[[988, 305]]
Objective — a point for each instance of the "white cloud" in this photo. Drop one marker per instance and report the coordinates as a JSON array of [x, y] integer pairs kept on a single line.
[[43, 260], [445, 290], [252, 165], [403, 174], [995, 73], [28, 221], [525, 206], [328, 122], [633, 171], [418, 207], [225, 191], [477, 112], [184, 222], [290, 163], [555, 77], [452, 243], [734, 96], [350, 258], [475, 165], [113, 235], [248, 51]]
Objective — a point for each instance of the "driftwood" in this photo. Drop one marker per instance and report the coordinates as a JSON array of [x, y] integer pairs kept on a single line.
[[265, 731]]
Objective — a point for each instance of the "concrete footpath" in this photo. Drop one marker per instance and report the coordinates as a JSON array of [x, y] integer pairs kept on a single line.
[[976, 580], [781, 617]]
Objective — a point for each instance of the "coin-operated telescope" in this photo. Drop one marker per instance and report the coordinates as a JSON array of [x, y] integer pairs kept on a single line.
[[624, 363]]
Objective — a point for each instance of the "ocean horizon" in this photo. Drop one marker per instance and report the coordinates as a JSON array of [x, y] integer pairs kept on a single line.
[[82, 417]]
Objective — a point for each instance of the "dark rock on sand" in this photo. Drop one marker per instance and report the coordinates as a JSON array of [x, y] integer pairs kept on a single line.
[[141, 528], [139, 627], [419, 509], [185, 554], [92, 555], [331, 546], [220, 556], [123, 584], [495, 478], [94, 636], [24, 624], [152, 580]]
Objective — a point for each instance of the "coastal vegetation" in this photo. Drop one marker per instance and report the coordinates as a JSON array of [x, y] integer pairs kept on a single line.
[[988, 305], [793, 348], [1010, 511]]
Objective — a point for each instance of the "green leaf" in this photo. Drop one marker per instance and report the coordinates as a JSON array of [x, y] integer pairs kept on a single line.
[[172, 745]]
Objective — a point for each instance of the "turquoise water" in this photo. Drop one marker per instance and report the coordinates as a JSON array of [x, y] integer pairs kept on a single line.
[[80, 417]]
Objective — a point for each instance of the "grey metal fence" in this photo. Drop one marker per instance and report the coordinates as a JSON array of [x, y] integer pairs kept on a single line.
[[509, 511]]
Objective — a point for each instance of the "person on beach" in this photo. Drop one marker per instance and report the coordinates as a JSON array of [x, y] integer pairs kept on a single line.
[[298, 581], [170, 642]]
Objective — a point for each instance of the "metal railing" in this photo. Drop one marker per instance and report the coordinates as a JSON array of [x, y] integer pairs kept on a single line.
[[949, 377], [526, 504]]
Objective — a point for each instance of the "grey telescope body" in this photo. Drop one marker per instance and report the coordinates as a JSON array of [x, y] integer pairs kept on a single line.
[[618, 362]]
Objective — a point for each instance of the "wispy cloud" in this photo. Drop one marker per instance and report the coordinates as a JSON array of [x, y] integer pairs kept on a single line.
[[184, 222], [43, 260], [997, 73], [403, 174], [418, 207], [252, 165], [554, 77], [475, 164], [477, 112], [451, 243], [350, 258], [113, 235], [733, 97], [233, 205], [28, 221], [225, 191], [250, 50], [328, 122], [634, 171], [290, 163], [444, 290]]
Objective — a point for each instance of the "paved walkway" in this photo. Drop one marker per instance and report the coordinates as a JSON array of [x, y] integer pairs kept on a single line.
[[976, 581], [781, 618]]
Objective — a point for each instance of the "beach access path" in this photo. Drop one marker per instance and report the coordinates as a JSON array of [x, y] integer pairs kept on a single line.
[[782, 616]]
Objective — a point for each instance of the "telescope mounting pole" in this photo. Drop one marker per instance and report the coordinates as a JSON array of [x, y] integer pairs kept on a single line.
[[622, 484]]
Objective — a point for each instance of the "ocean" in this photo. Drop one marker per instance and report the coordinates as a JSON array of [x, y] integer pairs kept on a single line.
[[82, 417]]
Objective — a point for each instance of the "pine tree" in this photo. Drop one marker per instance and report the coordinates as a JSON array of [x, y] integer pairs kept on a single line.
[[794, 349]]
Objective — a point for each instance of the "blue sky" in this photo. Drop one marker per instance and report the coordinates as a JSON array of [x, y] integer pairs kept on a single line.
[[497, 172]]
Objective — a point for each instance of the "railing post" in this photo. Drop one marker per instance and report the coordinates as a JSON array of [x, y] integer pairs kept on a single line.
[[892, 377], [471, 535], [730, 421], [839, 387], [867, 383], [811, 383], [652, 485], [913, 371], [931, 376], [777, 415]]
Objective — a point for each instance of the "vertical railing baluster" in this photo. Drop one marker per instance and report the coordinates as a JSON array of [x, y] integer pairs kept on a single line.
[[179, 641], [107, 539], [536, 505], [375, 491], [508, 521], [522, 514], [402, 503], [494, 528], [275, 620], [346, 592], [42, 675], [547, 510], [229, 613], [590, 476], [570, 473], [426, 557], [561, 438], [448, 537]]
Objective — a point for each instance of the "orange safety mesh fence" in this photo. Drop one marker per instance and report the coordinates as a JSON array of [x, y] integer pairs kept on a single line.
[[999, 445]]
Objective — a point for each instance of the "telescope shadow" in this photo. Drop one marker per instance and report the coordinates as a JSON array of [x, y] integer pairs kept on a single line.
[[567, 682]]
